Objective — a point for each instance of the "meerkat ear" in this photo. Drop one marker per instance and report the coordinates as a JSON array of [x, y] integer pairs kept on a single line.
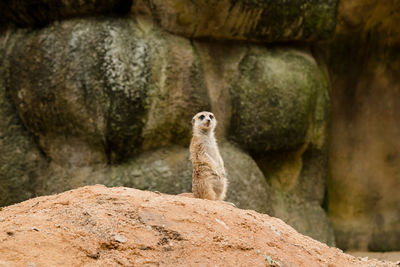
[[193, 121]]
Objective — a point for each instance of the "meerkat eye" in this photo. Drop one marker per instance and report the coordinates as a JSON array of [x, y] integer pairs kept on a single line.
[[201, 117], [211, 117]]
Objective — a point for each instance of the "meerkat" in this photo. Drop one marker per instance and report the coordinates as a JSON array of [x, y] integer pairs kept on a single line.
[[209, 177]]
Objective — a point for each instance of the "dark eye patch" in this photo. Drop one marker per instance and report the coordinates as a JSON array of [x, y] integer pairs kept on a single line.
[[201, 117], [211, 117]]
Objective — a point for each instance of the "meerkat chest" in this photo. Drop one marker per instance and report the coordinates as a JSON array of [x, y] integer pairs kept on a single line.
[[211, 148], [212, 152]]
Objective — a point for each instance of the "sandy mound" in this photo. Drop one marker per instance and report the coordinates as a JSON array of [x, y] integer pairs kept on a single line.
[[100, 226]]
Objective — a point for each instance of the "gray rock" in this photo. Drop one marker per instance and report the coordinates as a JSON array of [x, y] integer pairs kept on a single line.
[[248, 188], [307, 217], [167, 170], [110, 104], [274, 99]]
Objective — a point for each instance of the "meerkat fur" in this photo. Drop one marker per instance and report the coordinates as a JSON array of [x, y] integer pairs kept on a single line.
[[209, 177]]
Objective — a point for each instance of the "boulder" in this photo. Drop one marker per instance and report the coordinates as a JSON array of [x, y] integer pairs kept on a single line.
[[167, 170], [275, 100], [91, 91], [261, 21], [248, 188]]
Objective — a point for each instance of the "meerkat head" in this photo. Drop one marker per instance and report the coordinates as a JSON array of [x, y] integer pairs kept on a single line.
[[204, 122]]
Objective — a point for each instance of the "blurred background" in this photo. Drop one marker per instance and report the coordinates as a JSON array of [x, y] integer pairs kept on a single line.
[[306, 94]]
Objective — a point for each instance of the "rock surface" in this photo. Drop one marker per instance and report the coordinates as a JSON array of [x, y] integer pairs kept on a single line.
[[274, 100], [110, 100], [99, 226], [363, 199], [105, 106], [21, 161], [262, 21]]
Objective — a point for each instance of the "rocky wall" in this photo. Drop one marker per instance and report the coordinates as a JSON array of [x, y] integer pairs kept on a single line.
[[110, 99], [363, 61]]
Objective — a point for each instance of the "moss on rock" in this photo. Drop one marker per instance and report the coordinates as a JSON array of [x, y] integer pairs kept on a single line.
[[274, 99], [103, 90]]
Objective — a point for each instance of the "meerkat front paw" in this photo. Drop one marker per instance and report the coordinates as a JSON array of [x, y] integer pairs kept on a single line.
[[229, 203]]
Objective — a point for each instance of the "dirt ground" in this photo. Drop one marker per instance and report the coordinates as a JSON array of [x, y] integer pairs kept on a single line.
[[100, 226]]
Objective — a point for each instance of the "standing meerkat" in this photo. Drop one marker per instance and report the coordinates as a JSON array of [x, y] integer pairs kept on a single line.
[[209, 177]]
